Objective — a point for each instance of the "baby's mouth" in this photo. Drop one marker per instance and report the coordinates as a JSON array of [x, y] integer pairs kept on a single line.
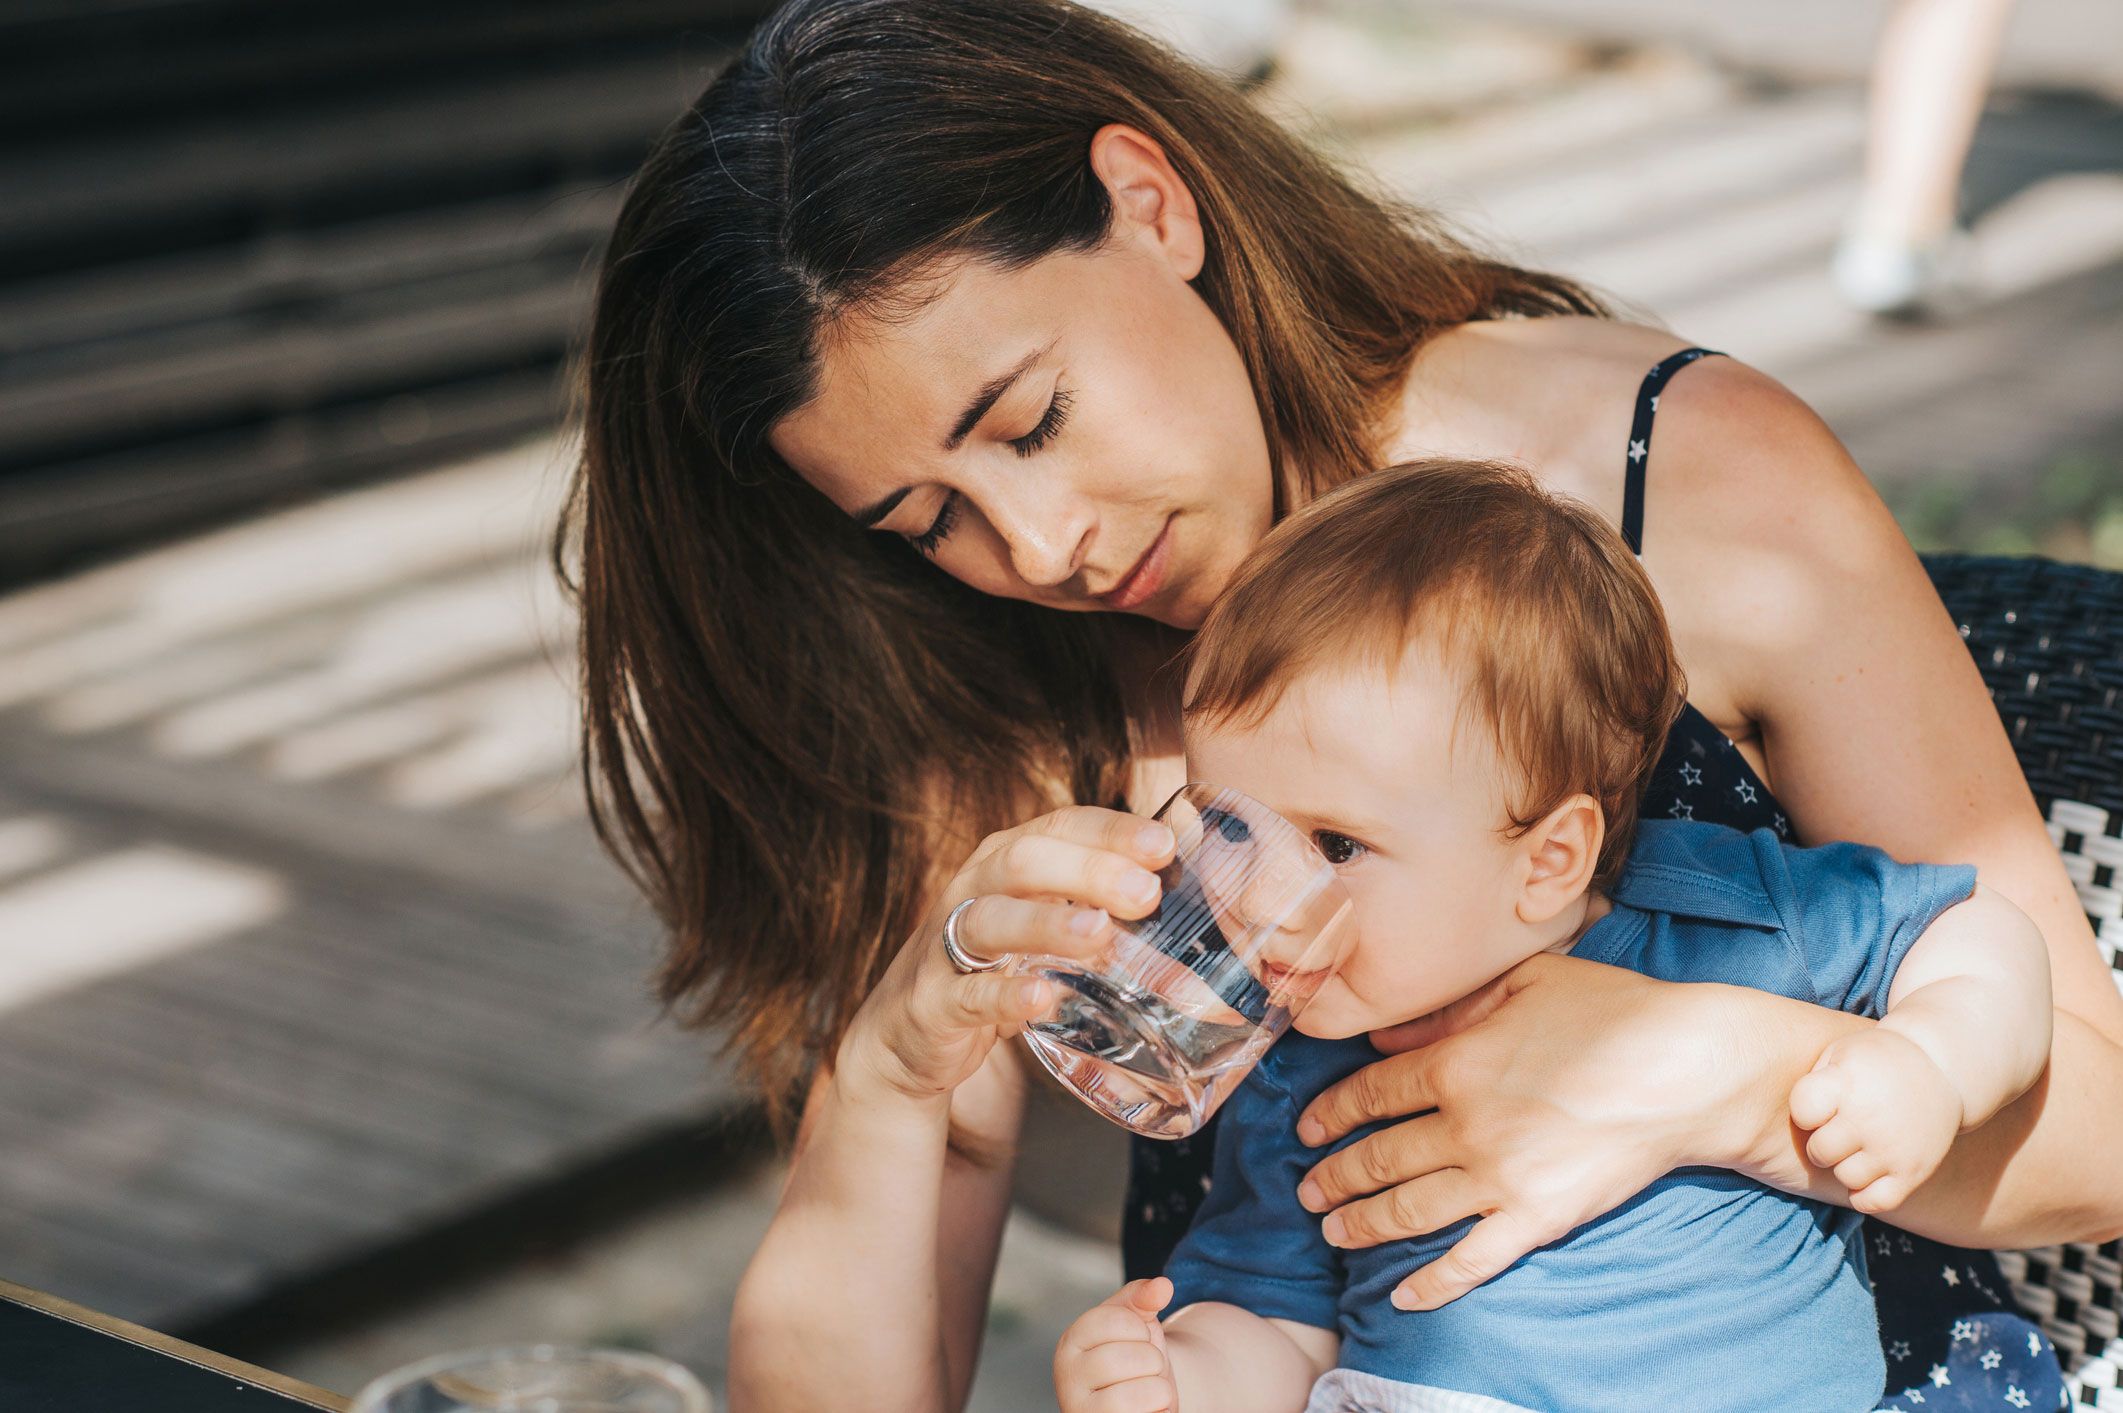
[[1288, 981]]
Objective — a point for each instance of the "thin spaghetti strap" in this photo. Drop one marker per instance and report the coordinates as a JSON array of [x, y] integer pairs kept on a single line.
[[1647, 407]]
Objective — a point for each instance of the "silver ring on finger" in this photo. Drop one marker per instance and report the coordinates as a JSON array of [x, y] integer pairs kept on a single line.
[[962, 959]]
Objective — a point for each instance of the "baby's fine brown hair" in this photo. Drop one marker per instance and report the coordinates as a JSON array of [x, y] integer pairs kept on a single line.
[[1530, 594]]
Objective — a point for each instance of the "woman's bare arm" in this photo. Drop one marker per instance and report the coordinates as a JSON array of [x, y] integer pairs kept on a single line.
[[872, 1280], [862, 1281], [1801, 607]]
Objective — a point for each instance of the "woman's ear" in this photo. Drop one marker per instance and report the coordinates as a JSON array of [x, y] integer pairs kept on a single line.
[[1150, 202], [1561, 854]]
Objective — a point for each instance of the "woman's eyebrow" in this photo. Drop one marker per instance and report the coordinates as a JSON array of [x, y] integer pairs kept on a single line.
[[869, 515]]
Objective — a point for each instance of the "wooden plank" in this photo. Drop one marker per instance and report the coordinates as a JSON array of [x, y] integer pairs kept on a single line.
[[309, 265], [57, 514], [228, 807], [389, 1150], [353, 155], [82, 65], [403, 339], [445, 1012], [390, 1052], [285, 1067], [129, 1279], [398, 1047], [91, 1142]]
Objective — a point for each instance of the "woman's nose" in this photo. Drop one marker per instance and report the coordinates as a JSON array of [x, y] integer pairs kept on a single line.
[[1046, 536]]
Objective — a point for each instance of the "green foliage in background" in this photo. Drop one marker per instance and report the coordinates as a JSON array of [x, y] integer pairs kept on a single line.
[[2072, 511]]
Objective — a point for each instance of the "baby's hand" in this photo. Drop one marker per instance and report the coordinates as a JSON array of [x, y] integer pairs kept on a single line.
[[1882, 1115], [1112, 1360]]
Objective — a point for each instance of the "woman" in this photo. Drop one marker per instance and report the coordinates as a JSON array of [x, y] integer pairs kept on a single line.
[[947, 357]]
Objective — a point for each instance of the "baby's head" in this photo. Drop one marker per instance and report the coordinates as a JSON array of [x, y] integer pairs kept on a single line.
[[1455, 682]]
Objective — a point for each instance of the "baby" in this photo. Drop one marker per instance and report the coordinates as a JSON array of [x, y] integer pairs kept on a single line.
[[1456, 683]]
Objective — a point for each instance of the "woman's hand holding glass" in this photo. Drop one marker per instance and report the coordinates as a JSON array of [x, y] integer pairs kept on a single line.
[[1543, 1100], [1050, 886]]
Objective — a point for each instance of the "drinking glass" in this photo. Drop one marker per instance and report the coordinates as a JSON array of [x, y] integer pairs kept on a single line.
[[536, 1378], [1158, 1031]]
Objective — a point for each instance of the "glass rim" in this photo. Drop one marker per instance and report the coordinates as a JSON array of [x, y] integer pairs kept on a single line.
[[683, 1381], [1304, 840]]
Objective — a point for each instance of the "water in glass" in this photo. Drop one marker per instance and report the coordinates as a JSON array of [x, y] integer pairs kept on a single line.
[[1251, 921]]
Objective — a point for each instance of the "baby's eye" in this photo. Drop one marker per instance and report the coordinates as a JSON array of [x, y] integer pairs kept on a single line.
[[1338, 848], [1234, 829]]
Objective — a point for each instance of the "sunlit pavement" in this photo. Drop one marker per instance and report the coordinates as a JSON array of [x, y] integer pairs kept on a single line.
[[303, 787], [306, 943]]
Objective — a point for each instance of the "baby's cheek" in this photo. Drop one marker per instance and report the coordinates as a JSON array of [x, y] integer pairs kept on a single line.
[[1394, 987]]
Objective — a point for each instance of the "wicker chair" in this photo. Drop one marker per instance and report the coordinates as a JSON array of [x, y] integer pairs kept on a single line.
[[2049, 640]]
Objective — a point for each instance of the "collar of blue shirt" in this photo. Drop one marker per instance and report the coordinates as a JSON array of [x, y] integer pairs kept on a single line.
[[1704, 871]]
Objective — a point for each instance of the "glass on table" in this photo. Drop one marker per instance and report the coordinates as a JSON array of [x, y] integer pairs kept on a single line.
[[537, 1378], [1158, 1031]]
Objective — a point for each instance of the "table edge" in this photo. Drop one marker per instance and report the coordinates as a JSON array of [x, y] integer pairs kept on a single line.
[[172, 1347]]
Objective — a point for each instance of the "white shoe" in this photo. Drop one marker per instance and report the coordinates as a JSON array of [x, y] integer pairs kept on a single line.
[[1894, 280]]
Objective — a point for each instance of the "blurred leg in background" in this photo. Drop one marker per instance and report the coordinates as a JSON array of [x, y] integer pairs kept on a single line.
[[1904, 254]]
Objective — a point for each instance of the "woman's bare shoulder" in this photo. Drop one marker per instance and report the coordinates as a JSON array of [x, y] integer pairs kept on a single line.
[[1743, 458], [1753, 511], [1584, 350], [1561, 393]]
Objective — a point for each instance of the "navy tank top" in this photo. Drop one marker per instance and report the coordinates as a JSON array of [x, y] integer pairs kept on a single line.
[[1952, 1336]]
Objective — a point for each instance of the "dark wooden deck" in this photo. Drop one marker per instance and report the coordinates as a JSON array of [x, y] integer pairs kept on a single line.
[[255, 1025]]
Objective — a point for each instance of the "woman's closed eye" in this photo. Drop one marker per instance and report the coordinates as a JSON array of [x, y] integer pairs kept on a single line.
[[1050, 423], [947, 514], [946, 517], [1338, 849]]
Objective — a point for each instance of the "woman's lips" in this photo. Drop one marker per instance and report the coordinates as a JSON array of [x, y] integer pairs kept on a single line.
[[1146, 578]]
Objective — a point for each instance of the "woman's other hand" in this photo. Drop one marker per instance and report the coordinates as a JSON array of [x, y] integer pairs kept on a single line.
[[1543, 1100], [1050, 886]]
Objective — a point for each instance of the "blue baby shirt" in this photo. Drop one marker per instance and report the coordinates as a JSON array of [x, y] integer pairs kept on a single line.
[[1704, 1290]]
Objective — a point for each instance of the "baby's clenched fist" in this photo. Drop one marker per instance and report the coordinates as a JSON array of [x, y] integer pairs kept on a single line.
[[1881, 1113], [1112, 1360]]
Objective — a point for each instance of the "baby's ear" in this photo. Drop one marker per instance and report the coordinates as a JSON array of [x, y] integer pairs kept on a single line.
[[1561, 852]]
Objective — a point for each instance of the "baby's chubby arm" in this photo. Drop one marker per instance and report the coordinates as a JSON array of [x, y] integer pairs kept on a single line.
[[1226, 1357], [1208, 1358], [1966, 1032]]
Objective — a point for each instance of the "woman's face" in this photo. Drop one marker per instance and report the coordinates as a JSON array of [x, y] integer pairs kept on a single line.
[[1079, 433]]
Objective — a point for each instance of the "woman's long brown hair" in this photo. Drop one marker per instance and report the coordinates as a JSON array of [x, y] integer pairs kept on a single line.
[[792, 728]]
